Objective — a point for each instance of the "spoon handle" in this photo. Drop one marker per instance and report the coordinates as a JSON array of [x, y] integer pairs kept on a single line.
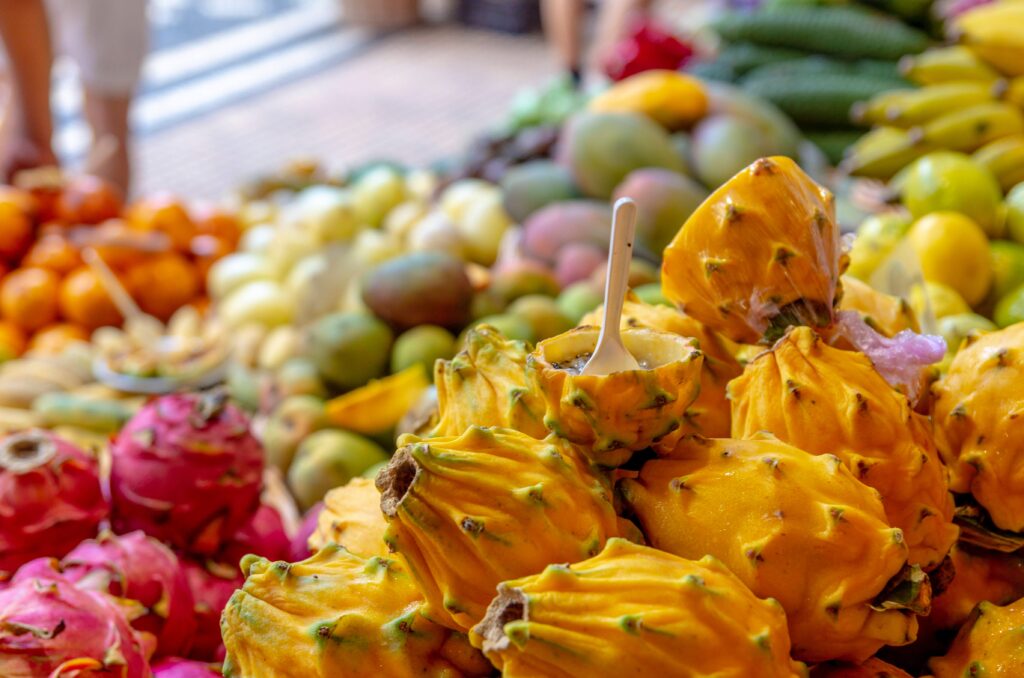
[[623, 229]]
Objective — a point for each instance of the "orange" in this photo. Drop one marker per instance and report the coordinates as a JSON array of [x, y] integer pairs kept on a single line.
[[85, 302], [220, 224], [16, 228], [117, 254], [28, 298], [163, 214], [55, 252], [163, 283], [12, 341], [88, 200], [207, 249], [53, 339]]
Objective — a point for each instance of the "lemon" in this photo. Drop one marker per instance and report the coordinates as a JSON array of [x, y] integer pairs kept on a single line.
[[947, 181], [955, 328], [941, 299], [953, 250], [1010, 309], [876, 238], [1007, 267], [1015, 212]]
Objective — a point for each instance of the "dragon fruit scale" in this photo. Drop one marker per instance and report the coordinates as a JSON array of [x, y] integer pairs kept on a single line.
[[50, 627], [760, 254], [635, 611], [187, 470], [613, 415], [263, 534], [138, 568], [988, 644], [493, 502], [825, 400], [792, 526], [979, 421], [340, 615], [176, 667], [212, 585], [351, 517], [50, 498]]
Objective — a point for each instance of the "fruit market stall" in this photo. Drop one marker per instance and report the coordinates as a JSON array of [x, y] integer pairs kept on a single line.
[[349, 426]]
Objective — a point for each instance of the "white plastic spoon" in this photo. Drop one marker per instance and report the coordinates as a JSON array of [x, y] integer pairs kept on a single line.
[[610, 354]]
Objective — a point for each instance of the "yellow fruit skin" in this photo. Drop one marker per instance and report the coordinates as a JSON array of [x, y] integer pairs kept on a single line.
[[792, 526], [980, 576], [979, 420], [670, 98], [336, 614], [487, 383], [946, 64], [466, 513], [379, 405], [886, 313], [708, 415], [872, 668], [828, 401], [989, 644], [1004, 158], [635, 611], [765, 244], [971, 128], [351, 518], [613, 415], [953, 251], [907, 108], [993, 32]]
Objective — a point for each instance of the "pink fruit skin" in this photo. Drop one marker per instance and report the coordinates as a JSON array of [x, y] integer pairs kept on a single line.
[[186, 470], [550, 229], [176, 667], [47, 510], [300, 544], [578, 261], [139, 568], [263, 535], [210, 590], [50, 627]]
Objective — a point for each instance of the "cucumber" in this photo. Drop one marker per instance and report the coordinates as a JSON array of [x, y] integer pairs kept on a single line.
[[838, 31], [814, 65], [713, 70], [745, 56], [66, 409], [818, 99]]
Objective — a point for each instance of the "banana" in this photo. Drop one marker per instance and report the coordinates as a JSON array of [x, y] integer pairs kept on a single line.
[[883, 152], [995, 32], [1005, 158], [12, 419], [20, 393], [49, 369], [1014, 92], [971, 128], [946, 64], [907, 108]]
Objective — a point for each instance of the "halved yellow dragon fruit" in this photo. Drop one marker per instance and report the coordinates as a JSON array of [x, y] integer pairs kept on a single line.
[[613, 415], [759, 255], [633, 611], [829, 401], [792, 526]]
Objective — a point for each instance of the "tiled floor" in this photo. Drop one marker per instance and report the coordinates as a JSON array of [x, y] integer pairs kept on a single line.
[[415, 96]]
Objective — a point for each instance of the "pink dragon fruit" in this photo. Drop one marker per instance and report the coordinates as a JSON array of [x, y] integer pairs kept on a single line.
[[212, 584], [263, 535], [186, 470], [300, 542], [50, 498], [142, 569], [50, 627], [176, 667]]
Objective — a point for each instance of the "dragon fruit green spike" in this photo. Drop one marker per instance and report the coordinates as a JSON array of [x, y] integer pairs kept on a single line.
[[50, 627], [50, 498], [176, 667], [142, 569], [187, 470]]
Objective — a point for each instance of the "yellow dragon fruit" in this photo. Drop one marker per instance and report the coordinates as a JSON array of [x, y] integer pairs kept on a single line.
[[351, 518], [872, 668], [635, 611], [989, 644], [708, 415], [337, 614], [979, 576], [828, 401], [882, 312], [486, 384], [616, 414], [466, 513], [760, 254], [792, 526], [979, 421]]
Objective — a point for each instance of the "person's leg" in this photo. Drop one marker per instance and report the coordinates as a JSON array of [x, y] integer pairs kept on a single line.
[[612, 24], [110, 157], [562, 21]]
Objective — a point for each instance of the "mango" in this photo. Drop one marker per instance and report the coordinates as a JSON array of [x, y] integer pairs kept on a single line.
[[327, 459], [534, 185], [423, 288], [349, 349], [664, 200], [288, 425]]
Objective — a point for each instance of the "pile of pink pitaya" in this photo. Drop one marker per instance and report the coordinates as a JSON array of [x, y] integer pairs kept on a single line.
[[186, 472]]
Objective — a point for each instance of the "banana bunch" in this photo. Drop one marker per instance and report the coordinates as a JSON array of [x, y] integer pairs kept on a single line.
[[24, 380], [970, 99]]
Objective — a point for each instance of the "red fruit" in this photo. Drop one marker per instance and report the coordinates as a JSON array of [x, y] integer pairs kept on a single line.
[[176, 667], [300, 542], [50, 627], [186, 470], [578, 261], [212, 585], [50, 498], [263, 535], [142, 569]]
